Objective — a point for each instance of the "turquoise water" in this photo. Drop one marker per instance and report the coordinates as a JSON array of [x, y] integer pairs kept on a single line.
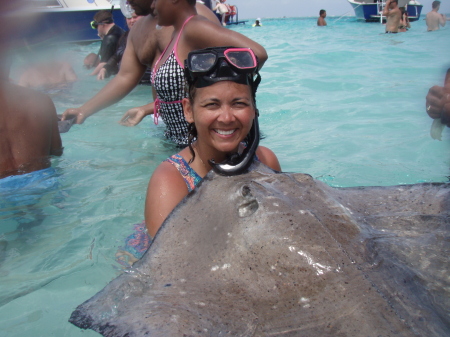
[[344, 103]]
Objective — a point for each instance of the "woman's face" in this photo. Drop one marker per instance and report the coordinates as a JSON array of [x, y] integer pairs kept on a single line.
[[163, 10], [223, 114]]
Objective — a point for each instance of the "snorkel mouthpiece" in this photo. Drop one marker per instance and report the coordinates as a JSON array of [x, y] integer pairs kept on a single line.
[[238, 164]]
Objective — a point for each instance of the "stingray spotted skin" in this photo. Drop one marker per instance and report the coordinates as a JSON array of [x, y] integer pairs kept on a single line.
[[275, 254]]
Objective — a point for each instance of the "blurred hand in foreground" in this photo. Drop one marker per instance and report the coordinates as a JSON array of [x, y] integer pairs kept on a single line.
[[438, 101]]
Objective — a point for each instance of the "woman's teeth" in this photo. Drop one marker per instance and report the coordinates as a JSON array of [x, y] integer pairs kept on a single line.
[[224, 132]]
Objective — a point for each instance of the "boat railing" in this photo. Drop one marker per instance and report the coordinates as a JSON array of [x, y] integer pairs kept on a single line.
[[46, 4], [381, 5]]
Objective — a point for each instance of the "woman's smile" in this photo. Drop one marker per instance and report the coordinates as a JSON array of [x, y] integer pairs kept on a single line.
[[224, 132]]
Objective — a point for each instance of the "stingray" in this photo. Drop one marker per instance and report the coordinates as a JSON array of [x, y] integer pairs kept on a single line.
[[282, 254], [64, 126]]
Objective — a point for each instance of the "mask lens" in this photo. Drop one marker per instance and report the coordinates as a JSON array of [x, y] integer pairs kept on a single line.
[[94, 25], [202, 62], [242, 59]]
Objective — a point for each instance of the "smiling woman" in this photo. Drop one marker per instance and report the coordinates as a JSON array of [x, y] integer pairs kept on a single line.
[[221, 110]]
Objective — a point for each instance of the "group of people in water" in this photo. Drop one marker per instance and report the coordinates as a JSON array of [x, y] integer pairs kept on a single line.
[[398, 21], [208, 104], [204, 79]]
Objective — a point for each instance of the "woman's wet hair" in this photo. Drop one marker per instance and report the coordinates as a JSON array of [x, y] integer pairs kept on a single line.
[[192, 135]]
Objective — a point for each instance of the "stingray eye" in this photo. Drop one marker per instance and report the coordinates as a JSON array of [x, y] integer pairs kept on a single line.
[[245, 191], [249, 204]]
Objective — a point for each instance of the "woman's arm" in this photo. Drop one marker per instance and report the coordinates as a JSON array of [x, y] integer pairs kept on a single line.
[[200, 33], [165, 190]]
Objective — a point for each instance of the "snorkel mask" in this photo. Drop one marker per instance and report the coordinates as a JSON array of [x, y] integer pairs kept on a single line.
[[95, 24], [211, 65]]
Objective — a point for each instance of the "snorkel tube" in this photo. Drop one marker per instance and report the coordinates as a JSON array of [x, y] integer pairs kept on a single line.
[[238, 164]]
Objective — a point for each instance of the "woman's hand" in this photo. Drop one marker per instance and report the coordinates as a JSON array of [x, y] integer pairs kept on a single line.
[[101, 74], [98, 68], [135, 115], [77, 113]]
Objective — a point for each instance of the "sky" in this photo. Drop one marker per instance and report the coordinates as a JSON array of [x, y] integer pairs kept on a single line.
[[250, 9]]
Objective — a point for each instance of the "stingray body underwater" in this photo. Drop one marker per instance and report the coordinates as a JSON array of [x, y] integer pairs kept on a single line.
[[276, 254]]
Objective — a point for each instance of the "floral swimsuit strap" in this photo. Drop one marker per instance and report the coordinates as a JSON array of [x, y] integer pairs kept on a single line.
[[191, 178]]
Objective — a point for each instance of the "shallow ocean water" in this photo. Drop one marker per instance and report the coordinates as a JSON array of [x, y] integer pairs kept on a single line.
[[344, 103]]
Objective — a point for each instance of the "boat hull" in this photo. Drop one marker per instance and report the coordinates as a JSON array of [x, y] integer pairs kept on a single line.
[[67, 26], [369, 12]]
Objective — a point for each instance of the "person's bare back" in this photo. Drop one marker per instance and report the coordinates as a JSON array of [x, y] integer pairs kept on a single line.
[[434, 19], [28, 128], [48, 75]]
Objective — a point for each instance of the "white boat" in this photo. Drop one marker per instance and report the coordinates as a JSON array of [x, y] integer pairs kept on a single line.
[[69, 20], [370, 10]]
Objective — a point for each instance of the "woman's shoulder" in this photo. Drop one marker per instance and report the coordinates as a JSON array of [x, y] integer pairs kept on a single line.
[[202, 25], [167, 176], [268, 157]]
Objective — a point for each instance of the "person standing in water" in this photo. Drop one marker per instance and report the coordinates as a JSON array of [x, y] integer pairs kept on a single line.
[[257, 23], [112, 66], [435, 19], [393, 15], [404, 21], [222, 114], [110, 34], [321, 20]]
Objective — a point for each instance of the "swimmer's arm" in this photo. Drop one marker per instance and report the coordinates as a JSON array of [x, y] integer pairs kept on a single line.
[[131, 71], [267, 157], [203, 34], [386, 8], [165, 190], [442, 20]]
